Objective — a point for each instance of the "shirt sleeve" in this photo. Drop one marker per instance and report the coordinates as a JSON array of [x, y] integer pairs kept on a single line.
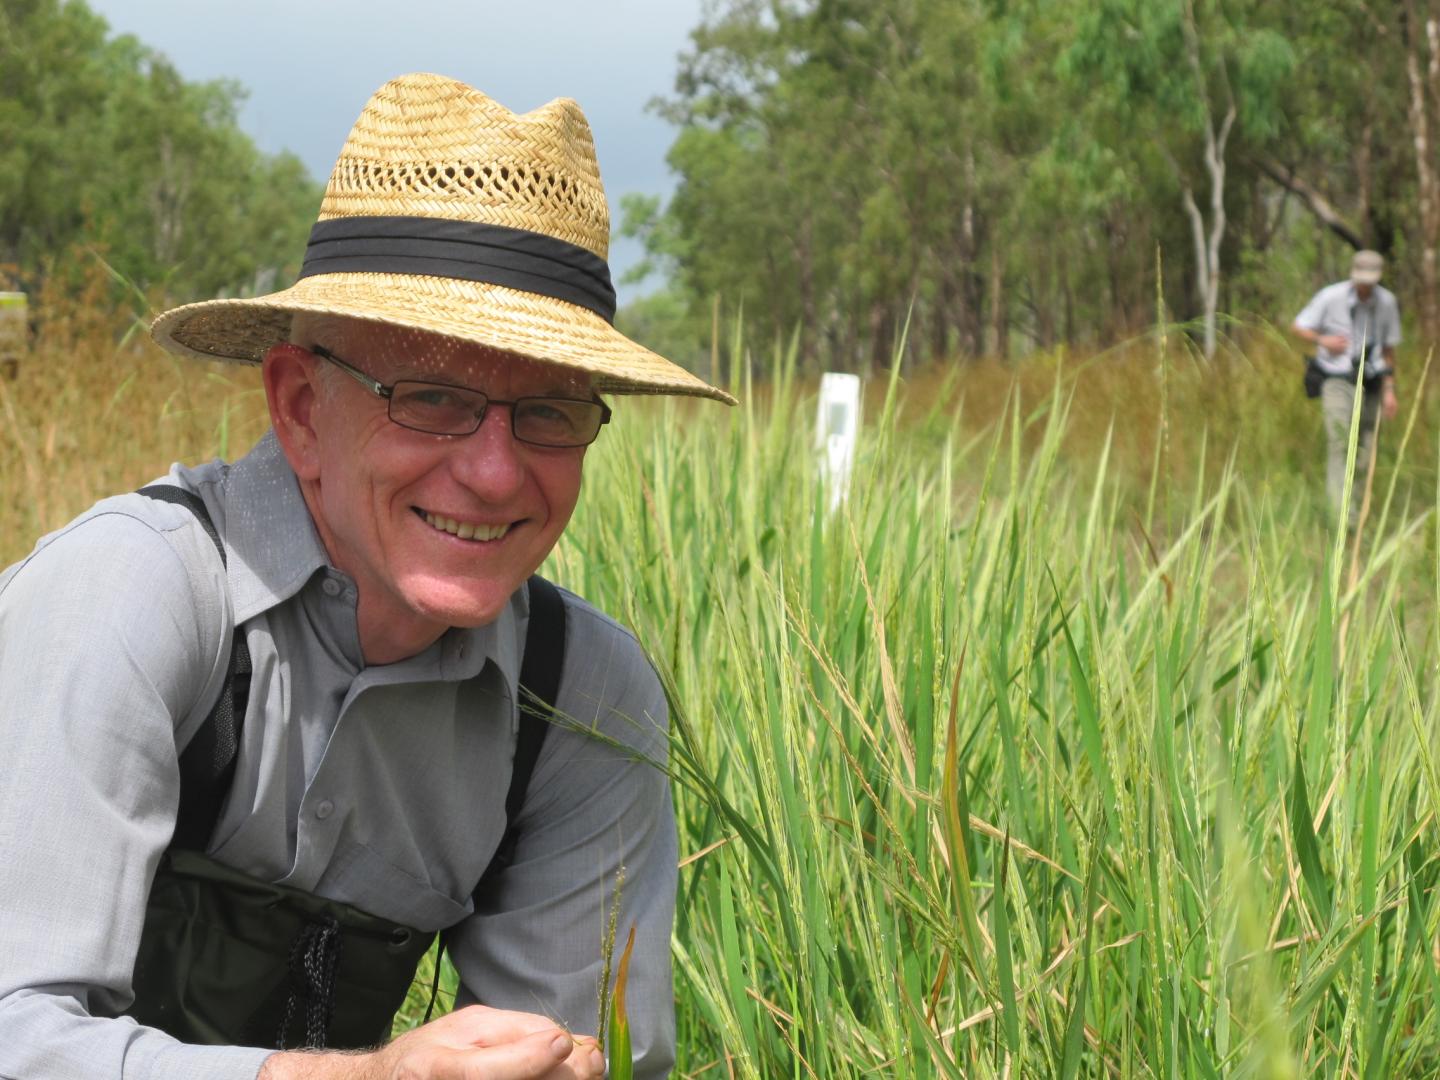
[[103, 646], [1312, 316], [1392, 321], [597, 823]]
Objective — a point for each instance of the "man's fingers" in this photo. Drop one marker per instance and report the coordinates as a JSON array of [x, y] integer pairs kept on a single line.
[[586, 1059], [480, 1043], [535, 1056], [478, 1025]]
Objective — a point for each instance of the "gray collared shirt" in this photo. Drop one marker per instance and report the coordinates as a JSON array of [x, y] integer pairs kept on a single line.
[[1336, 309], [383, 787]]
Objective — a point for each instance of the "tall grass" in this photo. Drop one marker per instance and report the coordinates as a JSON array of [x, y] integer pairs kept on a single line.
[[96, 409], [1028, 763], [1041, 758]]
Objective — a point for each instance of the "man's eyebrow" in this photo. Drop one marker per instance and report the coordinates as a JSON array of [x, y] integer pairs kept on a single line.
[[563, 387], [413, 373]]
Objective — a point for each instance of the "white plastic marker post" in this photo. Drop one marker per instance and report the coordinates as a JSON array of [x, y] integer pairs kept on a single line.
[[837, 427]]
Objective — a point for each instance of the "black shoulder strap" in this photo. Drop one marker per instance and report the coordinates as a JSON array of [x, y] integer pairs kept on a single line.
[[539, 685], [207, 765]]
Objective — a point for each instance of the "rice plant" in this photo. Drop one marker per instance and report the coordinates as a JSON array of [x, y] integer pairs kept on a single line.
[[1020, 765]]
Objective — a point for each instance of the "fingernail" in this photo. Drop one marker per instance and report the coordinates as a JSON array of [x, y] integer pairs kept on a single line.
[[562, 1044], [597, 1062]]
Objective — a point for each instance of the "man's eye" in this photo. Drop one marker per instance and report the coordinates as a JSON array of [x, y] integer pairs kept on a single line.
[[546, 412], [432, 397]]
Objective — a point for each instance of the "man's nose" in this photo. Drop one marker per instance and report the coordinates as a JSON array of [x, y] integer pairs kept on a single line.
[[490, 460]]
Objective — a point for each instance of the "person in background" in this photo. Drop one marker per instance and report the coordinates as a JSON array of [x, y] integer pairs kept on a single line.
[[1354, 326], [268, 727]]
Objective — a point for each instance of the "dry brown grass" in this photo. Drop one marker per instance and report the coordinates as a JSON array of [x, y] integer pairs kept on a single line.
[[96, 409], [1172, 428]]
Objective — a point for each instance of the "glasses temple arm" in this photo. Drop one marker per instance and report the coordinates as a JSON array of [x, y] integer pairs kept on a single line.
[[377, 388]]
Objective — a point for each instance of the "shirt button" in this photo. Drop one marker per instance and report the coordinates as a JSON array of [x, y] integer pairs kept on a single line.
[[324, 809], [330, 587]]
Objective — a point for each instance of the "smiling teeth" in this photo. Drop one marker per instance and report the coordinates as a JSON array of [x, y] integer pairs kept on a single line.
[[464, 530]]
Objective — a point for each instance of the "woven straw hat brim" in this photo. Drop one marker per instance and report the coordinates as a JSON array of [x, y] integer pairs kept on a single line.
[[447, 212], [540, 328]]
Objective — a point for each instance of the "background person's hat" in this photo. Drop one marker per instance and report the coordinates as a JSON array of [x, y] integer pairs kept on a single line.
[[1366, 267], [449, 213]]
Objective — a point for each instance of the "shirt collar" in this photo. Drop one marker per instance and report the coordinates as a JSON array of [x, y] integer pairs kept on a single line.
[[273, 550], [1354, 297], [271, 544]]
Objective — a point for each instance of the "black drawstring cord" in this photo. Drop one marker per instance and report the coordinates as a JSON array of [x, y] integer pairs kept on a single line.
[[314, 955], [435, 979]]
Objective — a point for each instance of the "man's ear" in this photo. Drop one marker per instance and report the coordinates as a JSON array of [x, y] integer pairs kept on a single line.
[[292, 391]]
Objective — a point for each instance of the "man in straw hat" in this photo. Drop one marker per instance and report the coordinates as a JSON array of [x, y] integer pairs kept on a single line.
[[270, 727], [1354, 326]]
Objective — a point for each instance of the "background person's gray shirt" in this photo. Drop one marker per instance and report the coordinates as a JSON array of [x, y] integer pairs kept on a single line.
[[383, 787], [1375, 321]]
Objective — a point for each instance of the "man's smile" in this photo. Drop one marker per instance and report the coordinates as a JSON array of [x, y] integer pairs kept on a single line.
[[465, 530]]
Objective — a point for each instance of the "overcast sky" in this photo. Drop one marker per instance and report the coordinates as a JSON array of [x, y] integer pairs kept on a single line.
[[309, 66]]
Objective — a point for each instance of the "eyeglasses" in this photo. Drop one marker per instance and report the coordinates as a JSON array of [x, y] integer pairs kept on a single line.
[[445, 409]]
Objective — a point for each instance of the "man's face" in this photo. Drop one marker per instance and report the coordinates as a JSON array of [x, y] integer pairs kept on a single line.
[[437, 531]]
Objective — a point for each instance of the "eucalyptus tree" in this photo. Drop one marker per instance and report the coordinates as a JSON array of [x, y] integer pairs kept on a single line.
[[54, 75], [106, 150], [827, 161], [977, 169], [1185, 79], [1418, 26]]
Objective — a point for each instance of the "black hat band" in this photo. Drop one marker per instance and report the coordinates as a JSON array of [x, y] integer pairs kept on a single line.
[[466, 250]]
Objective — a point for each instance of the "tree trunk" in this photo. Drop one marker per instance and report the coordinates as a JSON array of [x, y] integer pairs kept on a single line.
[[1315, 202], [809, 315], [972, 334], [1203, 276], [999, 315], [940, 312], [1422, 42], [169, 192], [1068, 294], [1364, 177], [882, 336], [1207, 241]]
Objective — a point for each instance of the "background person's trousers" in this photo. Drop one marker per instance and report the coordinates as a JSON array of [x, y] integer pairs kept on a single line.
[[1337, 401]]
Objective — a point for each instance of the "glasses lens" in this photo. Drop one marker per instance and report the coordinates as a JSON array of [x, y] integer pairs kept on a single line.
[[557, 421], [437, 408]]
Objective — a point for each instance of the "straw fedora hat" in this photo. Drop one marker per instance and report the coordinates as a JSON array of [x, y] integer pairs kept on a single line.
[[448, 212]]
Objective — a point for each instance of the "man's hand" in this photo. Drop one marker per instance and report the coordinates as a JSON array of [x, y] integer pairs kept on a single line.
[[474, 1043], [1389, 403], [1335, 344]]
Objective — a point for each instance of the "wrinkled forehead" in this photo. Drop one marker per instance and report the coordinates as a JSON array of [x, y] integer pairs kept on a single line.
[[389, 352]]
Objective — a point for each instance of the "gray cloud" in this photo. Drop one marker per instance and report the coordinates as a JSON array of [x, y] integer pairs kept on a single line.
[[309, 65]]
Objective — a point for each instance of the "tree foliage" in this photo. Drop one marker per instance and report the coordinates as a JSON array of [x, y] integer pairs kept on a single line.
[[994, 171], [104, 148]]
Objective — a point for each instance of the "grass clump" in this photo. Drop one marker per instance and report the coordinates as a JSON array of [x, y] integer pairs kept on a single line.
[[1042, 757]]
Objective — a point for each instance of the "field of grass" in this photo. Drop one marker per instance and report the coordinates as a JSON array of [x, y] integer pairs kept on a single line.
[[1077, 744]]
